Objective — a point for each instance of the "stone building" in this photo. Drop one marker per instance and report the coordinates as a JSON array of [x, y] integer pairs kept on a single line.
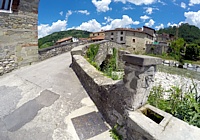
[[164, 38], [94, 34], [18, 33], [134, 39], [67, 40]]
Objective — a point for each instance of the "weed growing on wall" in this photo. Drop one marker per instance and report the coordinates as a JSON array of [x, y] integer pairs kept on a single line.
[[108, 66], [183, 105], [114, 134], [92, 52]]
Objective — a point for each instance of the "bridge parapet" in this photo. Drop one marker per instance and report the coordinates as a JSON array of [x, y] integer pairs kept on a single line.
[[122, 102]]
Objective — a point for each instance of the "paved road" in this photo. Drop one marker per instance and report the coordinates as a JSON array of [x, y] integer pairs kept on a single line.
[[46, 101]]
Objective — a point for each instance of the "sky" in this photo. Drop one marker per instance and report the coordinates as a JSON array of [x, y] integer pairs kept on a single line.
[[97, 15]]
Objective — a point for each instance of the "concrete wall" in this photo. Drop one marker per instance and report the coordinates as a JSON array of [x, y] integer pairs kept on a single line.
[[18, 36], [123, 102]]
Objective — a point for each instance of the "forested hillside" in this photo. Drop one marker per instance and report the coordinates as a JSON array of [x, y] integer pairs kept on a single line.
[[52, 38], [190, 33]]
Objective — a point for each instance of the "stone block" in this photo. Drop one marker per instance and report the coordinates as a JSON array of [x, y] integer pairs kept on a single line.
[[141, 60]]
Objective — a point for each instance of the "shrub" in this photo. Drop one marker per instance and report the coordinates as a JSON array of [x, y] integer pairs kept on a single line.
[[183, 105], [92, 52]]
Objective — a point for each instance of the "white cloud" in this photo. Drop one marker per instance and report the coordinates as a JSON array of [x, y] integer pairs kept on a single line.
[[144, 18], [161, 26], [61, 13], [193, 18], [46, 29], [126, 21], [127, 8], [183, 5], [108, 19], [69, 12], [149, 10], [102, 5], [193, 2], [172, 24], [94, 26], [150, 23], [137, 2], [163, 3], [83, 12], [91, 25]]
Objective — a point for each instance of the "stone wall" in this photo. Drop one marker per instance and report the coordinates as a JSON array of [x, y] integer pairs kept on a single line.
[[139, 46], [156, 49], [18, 36], [56, 50], [122, 102]]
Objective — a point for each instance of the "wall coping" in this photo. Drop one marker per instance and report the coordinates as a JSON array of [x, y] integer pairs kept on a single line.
[[141, 60]]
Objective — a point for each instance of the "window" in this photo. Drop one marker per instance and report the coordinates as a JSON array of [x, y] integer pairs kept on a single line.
[[121, 38], [112, 39], [134, 49], [112, 33], [5, 5], [133, 40], [122, 32]]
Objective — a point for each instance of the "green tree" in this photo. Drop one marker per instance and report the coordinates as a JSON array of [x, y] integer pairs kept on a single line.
[[178, 49], [192, 52], [190, 33]]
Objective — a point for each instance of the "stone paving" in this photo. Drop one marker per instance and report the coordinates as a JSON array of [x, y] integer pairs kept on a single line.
[[46, 101]]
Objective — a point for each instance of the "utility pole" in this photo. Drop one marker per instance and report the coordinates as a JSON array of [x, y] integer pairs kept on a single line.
[[177, 28]]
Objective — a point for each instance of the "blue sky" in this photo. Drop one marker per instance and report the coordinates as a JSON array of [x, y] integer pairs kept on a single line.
[[96, 15]]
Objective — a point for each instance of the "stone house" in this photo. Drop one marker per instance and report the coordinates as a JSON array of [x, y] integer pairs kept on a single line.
[[67, 40], [18, 33], [164, 38], [95, 34], [134, 39]]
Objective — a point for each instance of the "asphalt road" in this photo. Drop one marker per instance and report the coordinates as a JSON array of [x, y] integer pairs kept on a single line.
[[46, 101]]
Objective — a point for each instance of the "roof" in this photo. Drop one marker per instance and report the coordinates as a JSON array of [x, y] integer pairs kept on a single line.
[[97, 32], [64, 39], [83, 38], [149, 28], [128, 29], [98, 38]]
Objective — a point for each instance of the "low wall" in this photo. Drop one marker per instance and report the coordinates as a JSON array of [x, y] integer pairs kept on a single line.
[[56, 50], [123, 102]]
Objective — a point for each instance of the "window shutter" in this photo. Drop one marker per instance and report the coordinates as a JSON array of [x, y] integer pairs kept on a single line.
[[15, 5]]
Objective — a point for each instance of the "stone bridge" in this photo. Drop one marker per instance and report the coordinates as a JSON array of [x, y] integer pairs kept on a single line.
[[46, 101]]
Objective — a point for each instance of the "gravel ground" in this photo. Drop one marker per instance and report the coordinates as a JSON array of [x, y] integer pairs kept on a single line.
[[168, 80]]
